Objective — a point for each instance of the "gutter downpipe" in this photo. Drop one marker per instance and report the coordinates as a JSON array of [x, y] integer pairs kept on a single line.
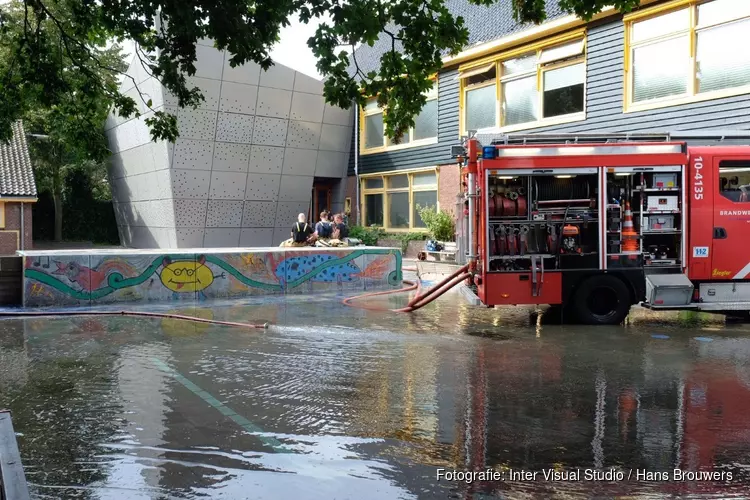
[[356, 160], [472, 192]]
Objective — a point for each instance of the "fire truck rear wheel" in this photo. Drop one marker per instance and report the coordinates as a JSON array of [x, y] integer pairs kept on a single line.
[[602, 300]]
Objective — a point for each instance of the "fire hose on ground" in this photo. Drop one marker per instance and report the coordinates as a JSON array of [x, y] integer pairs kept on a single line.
[[22, 314], [420, 300]]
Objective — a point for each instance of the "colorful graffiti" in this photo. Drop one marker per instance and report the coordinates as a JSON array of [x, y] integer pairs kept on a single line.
[[87, 277]]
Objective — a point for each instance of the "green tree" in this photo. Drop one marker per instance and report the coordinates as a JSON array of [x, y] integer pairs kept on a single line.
[[63, 97], [165, 34]]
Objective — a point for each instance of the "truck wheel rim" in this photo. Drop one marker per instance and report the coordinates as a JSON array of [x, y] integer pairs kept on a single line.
[[602, 302]]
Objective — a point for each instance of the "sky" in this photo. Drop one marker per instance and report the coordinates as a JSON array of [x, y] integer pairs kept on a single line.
[[291, 51]]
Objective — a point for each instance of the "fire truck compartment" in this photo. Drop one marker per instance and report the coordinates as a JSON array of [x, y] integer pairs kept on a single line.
[[668, 290], [724, 292]]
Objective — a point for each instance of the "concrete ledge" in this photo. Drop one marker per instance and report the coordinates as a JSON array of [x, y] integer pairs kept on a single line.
[[94, 276], [12, 478], [469, 295]]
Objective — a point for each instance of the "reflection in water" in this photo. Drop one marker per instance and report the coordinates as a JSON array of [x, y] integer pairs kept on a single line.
[[367, 405]]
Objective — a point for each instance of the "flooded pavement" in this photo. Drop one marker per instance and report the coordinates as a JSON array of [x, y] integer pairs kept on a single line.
[[338, 402]]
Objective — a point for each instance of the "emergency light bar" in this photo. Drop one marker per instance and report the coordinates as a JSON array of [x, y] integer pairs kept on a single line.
[[572, 150]]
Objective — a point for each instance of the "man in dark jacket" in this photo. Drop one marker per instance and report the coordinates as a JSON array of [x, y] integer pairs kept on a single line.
[[340, 231]]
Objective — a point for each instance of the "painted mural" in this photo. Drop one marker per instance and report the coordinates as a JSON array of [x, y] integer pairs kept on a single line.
[[87, 278]]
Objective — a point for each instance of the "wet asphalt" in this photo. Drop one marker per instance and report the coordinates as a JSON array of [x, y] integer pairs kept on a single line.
[[338, 402]]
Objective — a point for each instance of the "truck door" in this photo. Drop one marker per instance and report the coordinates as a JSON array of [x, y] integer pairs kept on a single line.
[[731, 250]]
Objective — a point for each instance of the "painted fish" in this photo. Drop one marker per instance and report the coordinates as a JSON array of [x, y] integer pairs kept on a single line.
[[378, 268], [92, 279], [294, 268]]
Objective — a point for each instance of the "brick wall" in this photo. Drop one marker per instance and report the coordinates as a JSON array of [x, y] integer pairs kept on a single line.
[[351, 192], [9, 240], [448, 187]]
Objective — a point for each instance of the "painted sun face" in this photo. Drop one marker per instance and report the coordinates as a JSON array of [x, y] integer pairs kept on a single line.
[[186, 276]]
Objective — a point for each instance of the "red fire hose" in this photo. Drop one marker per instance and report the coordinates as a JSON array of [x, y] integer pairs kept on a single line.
[[131, 313], [418, 301]]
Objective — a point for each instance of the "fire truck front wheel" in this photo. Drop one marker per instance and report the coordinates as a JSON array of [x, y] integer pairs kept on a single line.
[[602, 300]]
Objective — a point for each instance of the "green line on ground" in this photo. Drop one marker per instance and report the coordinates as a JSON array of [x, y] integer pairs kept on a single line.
[[250, 427]]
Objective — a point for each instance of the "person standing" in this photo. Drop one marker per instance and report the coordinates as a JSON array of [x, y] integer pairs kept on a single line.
[[302, 233], [324, 228], [340, 231]]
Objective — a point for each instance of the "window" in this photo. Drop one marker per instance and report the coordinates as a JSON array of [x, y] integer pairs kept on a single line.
[[391, 200], [480, 97], [687, 53], [423, 132], [545, 83], [734, 180]]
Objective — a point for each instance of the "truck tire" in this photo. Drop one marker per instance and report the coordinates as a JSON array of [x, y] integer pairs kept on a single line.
[[602, 300]]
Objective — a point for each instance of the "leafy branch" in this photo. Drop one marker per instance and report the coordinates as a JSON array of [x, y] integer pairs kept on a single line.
[[416, 33]]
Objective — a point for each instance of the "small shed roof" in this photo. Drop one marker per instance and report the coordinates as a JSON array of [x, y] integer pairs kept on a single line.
[[16, 172]]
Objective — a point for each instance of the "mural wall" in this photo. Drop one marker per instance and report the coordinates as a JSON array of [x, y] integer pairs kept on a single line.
[[55, 279]]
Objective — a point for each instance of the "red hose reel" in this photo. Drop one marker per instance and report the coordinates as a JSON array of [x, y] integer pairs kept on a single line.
[[509, 205]]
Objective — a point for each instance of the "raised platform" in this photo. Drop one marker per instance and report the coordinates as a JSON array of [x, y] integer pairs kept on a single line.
[[91, 277]]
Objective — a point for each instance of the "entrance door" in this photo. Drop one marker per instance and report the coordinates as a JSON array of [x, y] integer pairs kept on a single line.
[[730, 258], [321, 200]]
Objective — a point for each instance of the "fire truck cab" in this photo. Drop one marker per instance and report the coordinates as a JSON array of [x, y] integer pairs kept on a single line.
[[600, 223]]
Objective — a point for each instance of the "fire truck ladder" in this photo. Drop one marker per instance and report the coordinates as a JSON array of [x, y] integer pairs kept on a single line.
[[530, 139], [609, 138]]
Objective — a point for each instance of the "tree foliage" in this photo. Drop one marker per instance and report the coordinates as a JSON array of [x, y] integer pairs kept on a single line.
[[165, 35], [61, 88]]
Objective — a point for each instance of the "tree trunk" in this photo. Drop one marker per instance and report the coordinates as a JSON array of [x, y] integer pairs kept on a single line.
[[57, 198], [57, 189]]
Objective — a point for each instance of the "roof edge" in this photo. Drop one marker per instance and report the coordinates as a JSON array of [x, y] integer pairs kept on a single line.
[[532, 34]]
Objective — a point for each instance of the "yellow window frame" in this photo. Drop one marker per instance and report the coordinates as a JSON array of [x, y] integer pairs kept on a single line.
[[465, 71], [431, 96], [2, 215], [691, 95], [386, 191]]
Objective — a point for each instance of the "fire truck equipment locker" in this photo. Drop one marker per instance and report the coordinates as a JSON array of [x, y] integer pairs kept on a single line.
[[668, 290]]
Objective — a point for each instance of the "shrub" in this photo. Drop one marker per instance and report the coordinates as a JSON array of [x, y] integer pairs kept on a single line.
[[368, 235], [440, 223], [405, 238]]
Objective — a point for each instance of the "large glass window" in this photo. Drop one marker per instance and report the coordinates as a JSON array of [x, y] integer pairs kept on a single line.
[[373, 209], [424, 129], [391, 200], [690, 51], [560, 70]]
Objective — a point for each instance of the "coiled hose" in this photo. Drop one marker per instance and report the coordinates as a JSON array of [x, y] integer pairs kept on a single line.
[[420, 300]]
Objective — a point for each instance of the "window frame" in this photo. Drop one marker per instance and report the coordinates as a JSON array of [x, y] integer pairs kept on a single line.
[[576, 36], [692, 30], [387, 146], [386, 191], [734, 168]]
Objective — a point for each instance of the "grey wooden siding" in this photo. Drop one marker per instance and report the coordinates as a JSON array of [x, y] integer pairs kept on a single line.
[[604, 108], [425, 156], [605, 93]]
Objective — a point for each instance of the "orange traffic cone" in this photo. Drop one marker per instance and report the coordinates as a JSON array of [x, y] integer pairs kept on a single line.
[[629, 236]]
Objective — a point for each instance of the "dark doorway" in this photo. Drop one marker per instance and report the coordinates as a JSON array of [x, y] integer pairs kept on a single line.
[[321, 198]]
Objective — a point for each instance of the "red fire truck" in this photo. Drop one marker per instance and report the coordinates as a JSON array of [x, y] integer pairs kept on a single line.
[[600, 223]]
